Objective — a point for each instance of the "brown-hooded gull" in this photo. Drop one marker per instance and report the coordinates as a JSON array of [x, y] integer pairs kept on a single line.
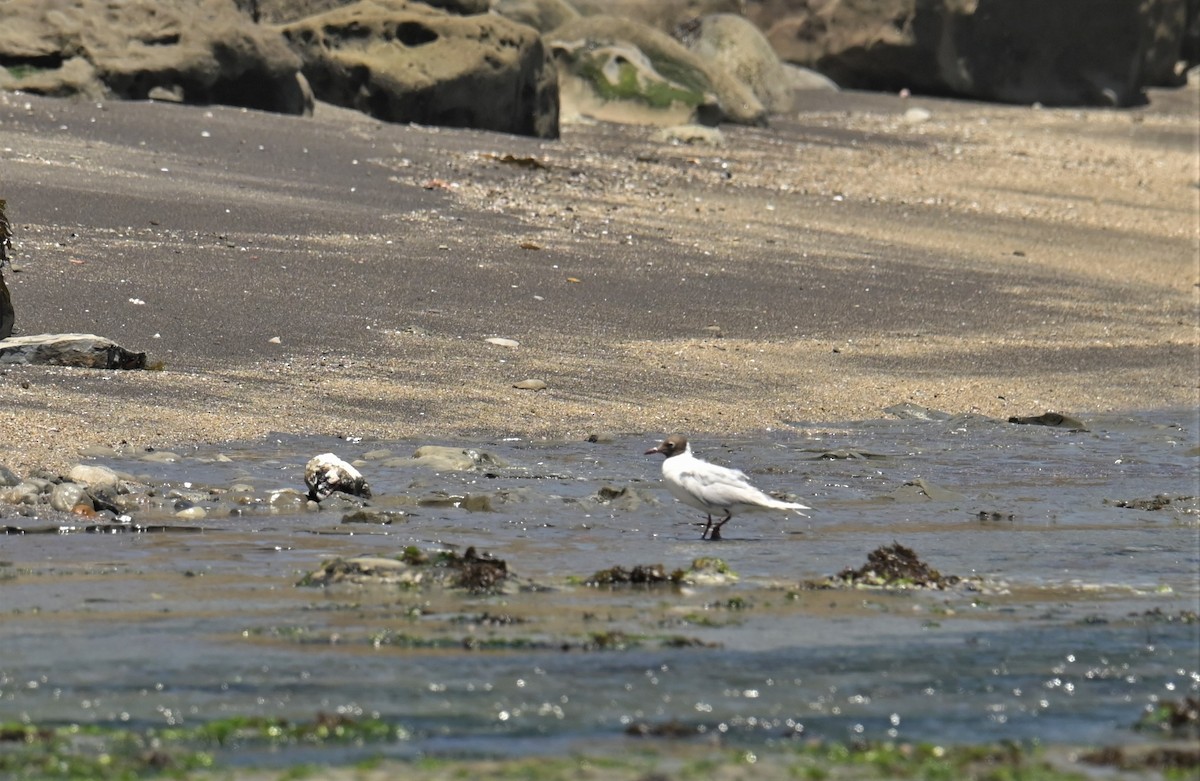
[[710, 487]]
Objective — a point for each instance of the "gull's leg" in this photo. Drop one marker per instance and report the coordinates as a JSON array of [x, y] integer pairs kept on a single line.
[[707, 526], [716, 532]]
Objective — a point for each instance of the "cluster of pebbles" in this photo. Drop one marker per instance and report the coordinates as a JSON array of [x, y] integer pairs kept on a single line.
[[101, 494]]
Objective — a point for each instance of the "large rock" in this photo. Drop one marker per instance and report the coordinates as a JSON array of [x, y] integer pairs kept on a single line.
[[541, 15], [620, 70], [403, 62], [735, 44], [1069, 52], [203, 51], [86, 351], [94, 476]]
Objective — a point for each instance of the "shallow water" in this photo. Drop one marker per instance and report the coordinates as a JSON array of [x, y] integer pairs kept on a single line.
[[1075, 619]]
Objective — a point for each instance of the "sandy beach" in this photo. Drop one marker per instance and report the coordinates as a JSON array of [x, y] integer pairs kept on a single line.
[[336, 275]]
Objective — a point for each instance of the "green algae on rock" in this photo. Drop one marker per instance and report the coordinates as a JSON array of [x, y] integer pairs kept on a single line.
[[706, 570], [474, 572], [639, 575]]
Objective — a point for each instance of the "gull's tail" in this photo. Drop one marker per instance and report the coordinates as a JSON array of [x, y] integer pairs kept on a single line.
[[778, 504]]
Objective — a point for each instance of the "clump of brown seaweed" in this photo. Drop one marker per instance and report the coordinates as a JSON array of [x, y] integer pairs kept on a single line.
[[704, 571], [891, 566]]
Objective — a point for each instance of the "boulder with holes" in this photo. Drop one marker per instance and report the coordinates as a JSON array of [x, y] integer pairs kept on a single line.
[[198, 51], [406, 62]]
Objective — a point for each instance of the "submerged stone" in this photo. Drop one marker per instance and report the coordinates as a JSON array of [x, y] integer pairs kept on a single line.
[[475, 572], [1053, 419], [66, 496], [452, 459], [382, 518], [909, 411]]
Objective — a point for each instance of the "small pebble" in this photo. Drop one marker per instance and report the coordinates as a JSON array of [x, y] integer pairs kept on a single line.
[[192, 513], [917, 115]]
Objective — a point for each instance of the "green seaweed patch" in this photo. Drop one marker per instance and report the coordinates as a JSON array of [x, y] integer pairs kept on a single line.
[[1173, 762], [708, 571], [106, 752], [1154, 503], [615, 640], [1177, 718], [23, 71], [402, 640], [623, 641], [692, 758], [487, 619], [704, 620], [660, 92], [892, 566], [269, 730]]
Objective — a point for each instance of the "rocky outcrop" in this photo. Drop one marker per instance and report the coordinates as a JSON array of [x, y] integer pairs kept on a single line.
[[1063, 53], [619, 70], [204, 51], [86, 351], [403, 62]]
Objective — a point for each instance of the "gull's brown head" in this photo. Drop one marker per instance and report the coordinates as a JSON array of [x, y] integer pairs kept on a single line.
[[671, 446]]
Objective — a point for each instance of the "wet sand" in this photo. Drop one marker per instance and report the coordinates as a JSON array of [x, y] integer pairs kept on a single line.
[[996, 259]]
